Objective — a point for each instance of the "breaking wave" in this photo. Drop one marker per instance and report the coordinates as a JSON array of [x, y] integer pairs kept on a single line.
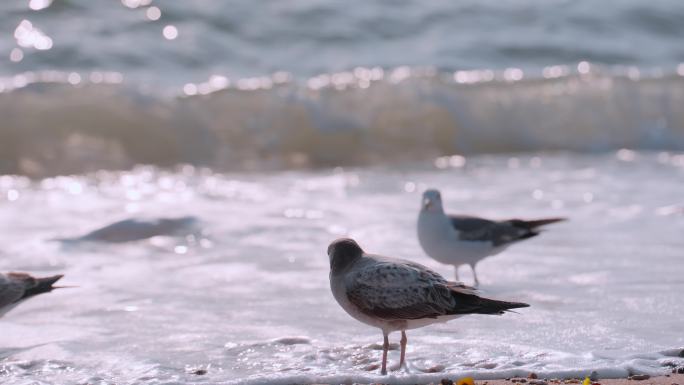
[[72, 123]]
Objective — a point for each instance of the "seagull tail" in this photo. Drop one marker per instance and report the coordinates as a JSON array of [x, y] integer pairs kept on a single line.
[[536, 223], [44, 285], [467, 303], [493, 306]]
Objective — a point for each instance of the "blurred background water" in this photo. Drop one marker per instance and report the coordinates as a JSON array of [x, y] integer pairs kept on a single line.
[[240, 86], [174, 42], [280, 126]]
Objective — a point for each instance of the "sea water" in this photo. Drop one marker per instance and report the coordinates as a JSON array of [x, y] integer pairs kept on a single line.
[[247, 298]]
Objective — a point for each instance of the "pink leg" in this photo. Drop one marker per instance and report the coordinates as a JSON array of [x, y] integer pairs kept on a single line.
[[385, 348], [404, 340], [477, 282]]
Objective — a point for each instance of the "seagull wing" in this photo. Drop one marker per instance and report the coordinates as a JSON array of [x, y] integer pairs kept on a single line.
[[400, 291], [485, 230], [11, 290]]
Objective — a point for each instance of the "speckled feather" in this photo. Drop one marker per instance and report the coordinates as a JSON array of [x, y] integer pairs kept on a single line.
[[403, 290], [13, 286]]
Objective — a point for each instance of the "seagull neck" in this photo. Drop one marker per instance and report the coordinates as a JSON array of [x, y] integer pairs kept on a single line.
[[434, 211], [341, 263]]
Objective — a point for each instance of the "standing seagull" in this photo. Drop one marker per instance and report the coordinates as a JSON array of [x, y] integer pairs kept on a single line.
[[18, 287], [460, 239], [393, 294]]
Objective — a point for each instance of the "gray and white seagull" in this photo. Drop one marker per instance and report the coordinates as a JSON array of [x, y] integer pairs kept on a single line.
[[460, 239], [397, 295], [15, 288]]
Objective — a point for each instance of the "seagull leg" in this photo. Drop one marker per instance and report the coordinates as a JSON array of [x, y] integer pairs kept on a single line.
[[404, 340], [401, 364], [477, 282], [385, 348]]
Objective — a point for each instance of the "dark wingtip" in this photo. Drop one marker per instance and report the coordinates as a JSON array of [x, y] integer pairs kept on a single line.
[[517, 305], [546, 221], [43, 285]]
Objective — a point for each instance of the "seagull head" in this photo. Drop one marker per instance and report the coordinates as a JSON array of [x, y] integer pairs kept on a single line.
[[432, 201], [342, 253]]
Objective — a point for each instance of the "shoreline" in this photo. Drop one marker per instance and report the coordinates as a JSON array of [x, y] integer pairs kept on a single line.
[[674, 378], [667, 379]]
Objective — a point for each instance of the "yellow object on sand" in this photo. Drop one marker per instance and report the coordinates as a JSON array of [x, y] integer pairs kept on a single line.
[[587, 381], [466, 381]]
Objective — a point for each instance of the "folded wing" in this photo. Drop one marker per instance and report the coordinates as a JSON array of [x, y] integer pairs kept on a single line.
[[399, 291], [407, 291], [499, 233], [11, 290]]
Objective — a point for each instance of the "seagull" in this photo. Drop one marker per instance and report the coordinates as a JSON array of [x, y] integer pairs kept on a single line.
[[135, 229], [461, 239], [18, 287], [397, 295]]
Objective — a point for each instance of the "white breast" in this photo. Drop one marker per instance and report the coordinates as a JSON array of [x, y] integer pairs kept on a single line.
[[337, 285]]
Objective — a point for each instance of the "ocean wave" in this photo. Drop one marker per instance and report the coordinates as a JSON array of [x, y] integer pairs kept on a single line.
[[65, 123]]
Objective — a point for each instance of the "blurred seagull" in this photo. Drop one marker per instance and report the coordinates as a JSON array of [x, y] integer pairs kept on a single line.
[[135, 229], [18, 287], [460, 239], [397, 295]]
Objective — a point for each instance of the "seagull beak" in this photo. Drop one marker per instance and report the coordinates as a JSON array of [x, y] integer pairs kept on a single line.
[[427, 203]]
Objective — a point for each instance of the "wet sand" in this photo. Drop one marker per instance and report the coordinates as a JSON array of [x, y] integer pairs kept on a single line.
[[670, 379]]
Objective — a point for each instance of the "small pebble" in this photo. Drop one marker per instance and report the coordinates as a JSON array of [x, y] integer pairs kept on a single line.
[[434, 369], [199, 372], [680, 370], [538, 382], [532, 376], [446, 381], [639, 377]]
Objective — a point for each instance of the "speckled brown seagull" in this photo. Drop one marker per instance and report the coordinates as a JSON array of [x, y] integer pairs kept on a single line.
[[397, 295], [459, 239], [18, 287]]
